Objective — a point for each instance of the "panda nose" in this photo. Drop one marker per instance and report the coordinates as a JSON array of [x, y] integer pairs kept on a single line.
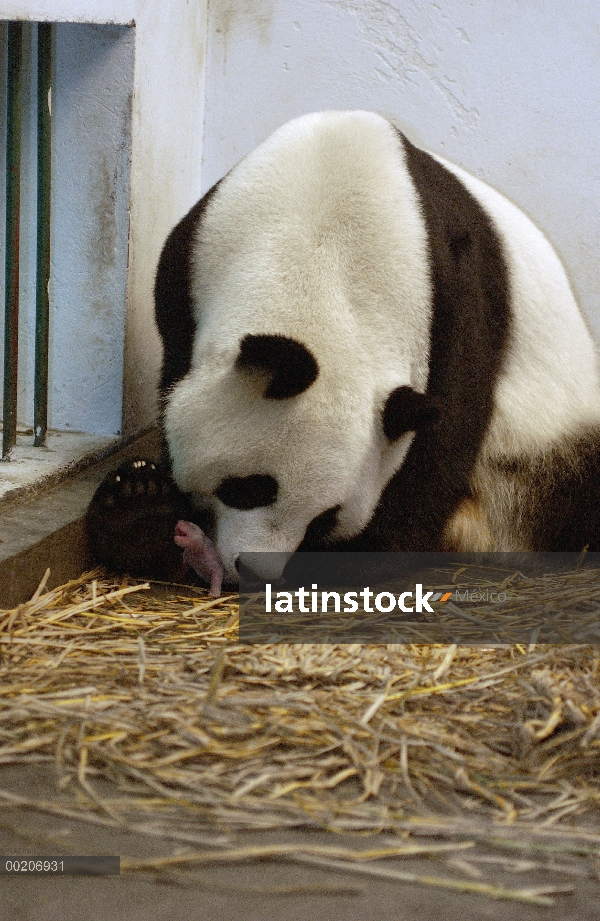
[[261, 566], [246, 572], [252, 579], [247, 576]]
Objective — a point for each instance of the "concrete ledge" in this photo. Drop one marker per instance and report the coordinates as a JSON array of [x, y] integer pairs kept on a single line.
[[44, 528], [31, 468], [64, 552]]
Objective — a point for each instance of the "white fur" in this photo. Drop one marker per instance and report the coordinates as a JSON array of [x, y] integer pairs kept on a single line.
[[318, 235]]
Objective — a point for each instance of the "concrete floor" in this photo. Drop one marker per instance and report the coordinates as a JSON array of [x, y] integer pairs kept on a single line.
[[258, 891]]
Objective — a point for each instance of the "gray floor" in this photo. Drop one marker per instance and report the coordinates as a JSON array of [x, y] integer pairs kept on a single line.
[[259, 891]]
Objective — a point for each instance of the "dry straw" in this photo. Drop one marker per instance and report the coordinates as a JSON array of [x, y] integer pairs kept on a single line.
[[202, 738]]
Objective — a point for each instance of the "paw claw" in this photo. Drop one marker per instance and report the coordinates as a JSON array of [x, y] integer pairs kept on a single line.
[[131, 518]]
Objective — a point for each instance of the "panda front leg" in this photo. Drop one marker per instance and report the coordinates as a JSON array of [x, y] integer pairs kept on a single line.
[[138, 522], [131, 521]]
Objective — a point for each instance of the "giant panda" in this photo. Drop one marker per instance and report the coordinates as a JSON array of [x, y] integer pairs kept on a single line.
[[364, 348]]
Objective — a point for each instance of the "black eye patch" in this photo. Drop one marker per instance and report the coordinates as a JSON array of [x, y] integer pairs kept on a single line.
[[248, 492]]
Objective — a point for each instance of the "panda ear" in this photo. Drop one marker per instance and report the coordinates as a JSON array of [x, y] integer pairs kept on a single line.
[[289, 364], [406, 410]]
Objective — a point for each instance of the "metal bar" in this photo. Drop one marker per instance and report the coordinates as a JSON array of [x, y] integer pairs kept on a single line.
[[13, 170], [42, 299]]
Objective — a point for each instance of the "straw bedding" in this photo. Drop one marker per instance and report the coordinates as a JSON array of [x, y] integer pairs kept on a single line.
[[202, 738]]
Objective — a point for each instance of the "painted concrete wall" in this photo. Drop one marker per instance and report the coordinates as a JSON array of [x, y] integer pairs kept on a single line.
[[128, 90], [509, 90], [89, 225]]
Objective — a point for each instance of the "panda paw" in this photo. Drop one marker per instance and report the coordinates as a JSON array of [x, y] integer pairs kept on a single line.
[[132, 518]]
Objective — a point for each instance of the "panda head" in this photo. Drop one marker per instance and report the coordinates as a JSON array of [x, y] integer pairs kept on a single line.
[[269, 440]]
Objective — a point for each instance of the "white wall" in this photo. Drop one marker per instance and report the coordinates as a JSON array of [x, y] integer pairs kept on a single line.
[[168, 113], [117, 12], [510, 90]]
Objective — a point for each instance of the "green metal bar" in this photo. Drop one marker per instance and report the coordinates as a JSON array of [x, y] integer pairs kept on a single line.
[[13, 170], [42, 300]]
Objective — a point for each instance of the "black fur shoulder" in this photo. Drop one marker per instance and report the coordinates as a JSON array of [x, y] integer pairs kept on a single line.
[[470, 327], [174, 310]]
